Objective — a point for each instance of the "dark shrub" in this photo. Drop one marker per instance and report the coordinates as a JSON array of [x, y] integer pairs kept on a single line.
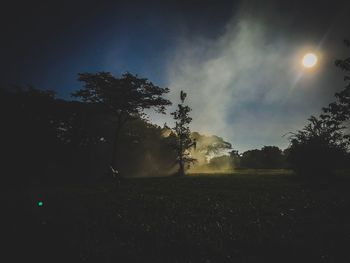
[[318, 149]]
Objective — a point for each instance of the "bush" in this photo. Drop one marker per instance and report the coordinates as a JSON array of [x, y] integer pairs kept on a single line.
[[318, 149]]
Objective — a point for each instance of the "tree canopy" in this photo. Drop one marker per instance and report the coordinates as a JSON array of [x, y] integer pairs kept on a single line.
[[183, 135], [126, 98], [323, 145]]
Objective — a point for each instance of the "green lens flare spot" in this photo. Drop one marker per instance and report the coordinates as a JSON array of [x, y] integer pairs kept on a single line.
[[40, 203]]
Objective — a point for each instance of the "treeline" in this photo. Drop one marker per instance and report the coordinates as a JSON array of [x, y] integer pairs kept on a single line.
[[323, 145], [46, 139], [268, 157]]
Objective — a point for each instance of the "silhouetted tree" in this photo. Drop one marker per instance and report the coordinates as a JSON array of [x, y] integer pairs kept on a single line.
[[126, 98], [146, 151], [317, 149], [252, 159], [272, 157], [340, 109], [322, 145], [236, 159], [183, 135], [32, 135], [268, 157]]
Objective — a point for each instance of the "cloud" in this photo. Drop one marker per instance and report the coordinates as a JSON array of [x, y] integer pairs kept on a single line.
[[247, 85]]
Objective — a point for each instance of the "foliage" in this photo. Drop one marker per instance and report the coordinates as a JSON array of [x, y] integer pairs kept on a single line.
[[323, 144], [319, 148], [268, 157], [45, 139], [125, 98], [45, 135], [30, 132], [145, 152], [273, 157], [251, 159], [236, 159], [340, 109], [183, 135]]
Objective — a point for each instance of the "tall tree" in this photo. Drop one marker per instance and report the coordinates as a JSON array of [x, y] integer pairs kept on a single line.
[[339, 110], [125, 98], [183, 133], [323, 144], [319, 148], [236, 159]]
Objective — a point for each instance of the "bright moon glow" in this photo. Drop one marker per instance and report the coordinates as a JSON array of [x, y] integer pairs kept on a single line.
[[309, 60]]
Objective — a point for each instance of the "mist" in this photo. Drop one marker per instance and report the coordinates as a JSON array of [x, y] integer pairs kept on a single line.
[[247, 84]]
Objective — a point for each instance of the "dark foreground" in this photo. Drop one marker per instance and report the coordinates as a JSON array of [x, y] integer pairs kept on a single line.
[[236, 218]]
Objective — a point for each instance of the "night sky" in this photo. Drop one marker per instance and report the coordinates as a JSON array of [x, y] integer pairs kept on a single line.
[[239, 61]]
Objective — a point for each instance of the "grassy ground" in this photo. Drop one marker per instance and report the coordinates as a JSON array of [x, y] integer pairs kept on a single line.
[[262, 217]]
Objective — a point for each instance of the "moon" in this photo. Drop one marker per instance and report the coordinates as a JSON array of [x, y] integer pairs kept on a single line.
[[309, 60]]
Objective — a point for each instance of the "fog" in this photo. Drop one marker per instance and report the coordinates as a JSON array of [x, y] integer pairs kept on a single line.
[[247, 85]]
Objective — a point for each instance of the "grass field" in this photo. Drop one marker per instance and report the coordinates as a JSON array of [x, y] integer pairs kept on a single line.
[[242, 217]]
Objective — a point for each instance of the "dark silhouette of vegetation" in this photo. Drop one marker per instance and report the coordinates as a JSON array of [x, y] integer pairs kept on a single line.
[[146, 151], [268, 157], [252, 159], [45, 137], [48, 140], [235, 159], [35, 133], [125, 98], [340, 109], [322, 146], [183, 135], [318, 149]]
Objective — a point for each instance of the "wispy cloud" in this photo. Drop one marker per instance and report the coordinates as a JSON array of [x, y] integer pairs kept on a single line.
[[247, 85]]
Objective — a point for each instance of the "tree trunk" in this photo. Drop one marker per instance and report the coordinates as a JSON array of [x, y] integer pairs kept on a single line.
[[115, 148], [181, 168], [181, 160]]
